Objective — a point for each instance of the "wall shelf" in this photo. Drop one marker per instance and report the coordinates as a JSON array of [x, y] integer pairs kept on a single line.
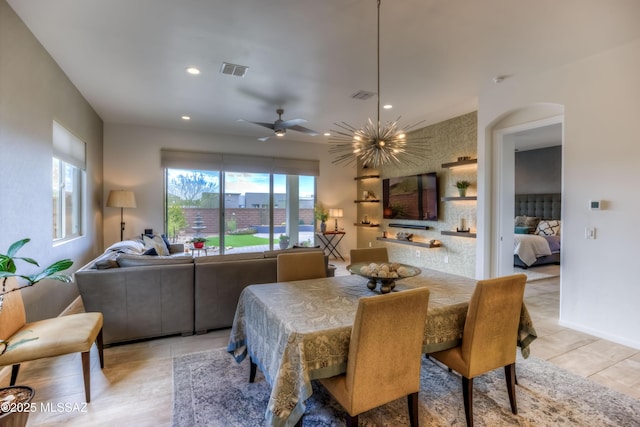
[[366, 225], [460, 163], [408, 242], [452, 199], [367, 201], [358, 178], [411, 226], [458, 234]]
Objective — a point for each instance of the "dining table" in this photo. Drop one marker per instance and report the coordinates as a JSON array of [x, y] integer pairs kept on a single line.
[[299, 331]]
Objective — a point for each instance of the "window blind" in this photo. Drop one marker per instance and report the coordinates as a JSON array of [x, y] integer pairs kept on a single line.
[[178, 159], [68, 148]]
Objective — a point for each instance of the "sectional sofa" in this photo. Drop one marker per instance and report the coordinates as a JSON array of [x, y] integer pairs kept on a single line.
[[143, 296]]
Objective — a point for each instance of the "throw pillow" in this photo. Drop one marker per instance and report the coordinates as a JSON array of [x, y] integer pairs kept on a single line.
[[548, 228], [156, 242], [150, 251], [523, 230]]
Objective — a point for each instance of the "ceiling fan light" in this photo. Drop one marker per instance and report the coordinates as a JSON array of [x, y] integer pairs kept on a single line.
[[280, 132]]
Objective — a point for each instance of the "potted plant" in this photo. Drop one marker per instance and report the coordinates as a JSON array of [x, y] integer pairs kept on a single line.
[[462, 187], [284, 241], [321, 215], [198, 242], [15, 400]]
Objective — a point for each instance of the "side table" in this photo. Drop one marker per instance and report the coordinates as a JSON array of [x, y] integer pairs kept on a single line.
[[330, 241]]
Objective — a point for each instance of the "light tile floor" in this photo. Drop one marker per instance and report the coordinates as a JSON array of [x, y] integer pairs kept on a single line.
[[136, 386]]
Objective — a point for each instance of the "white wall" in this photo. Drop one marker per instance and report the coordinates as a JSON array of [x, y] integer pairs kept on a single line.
[[132, 161], [601, 99], [33, 92]]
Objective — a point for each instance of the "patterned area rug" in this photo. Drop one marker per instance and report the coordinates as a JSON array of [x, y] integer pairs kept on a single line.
[[211, 389]]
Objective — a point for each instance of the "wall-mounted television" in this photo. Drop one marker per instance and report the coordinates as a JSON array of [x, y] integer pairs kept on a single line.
[[411, 197]]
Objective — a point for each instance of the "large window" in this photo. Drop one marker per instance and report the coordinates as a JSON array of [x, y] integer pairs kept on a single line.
[[240, 204], [67, 183]]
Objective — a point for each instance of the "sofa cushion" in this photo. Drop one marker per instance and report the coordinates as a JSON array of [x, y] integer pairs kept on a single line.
[[126, 260]]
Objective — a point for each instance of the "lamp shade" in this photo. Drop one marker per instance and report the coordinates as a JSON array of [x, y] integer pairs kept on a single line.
[[335, 213], [121, 199]]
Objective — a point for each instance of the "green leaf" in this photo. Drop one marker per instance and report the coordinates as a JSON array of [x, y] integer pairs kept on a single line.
[[15, 247], [50, 272]]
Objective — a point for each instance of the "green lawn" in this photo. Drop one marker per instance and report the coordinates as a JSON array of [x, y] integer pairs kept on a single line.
[[238, 241]]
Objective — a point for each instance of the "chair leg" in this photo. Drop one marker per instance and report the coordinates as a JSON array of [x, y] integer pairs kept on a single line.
[[510, 375], [14, 374], [252, 372], [352, 420], [86, 372], [467, 394], [100, 345], [412, 401]]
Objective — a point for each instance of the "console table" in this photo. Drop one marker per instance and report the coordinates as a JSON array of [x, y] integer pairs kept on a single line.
[[330, 241]]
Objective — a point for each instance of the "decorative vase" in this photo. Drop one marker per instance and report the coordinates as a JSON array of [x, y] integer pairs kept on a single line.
[[462, 192], [22, 396], [323, 227], [284, 244]]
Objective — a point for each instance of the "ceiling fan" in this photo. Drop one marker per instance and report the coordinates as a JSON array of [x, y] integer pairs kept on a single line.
[[280, 126]]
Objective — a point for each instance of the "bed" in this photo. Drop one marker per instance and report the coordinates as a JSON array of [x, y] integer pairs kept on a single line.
[[537, 229]]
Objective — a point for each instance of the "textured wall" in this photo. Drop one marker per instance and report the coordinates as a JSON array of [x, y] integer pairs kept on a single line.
[[449, 140]]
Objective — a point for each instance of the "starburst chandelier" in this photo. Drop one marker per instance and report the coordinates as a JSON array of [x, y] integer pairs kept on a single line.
[[375, 145]]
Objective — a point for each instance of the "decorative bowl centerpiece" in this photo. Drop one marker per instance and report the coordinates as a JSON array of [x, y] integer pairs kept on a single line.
[[384, 274]]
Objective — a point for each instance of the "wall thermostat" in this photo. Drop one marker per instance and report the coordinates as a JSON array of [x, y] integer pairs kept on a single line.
[[594, 205]]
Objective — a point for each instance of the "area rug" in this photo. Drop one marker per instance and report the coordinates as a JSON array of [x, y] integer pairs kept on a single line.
[[211, 389]]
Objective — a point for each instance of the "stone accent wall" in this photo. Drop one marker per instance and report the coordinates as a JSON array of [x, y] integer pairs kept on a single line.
[[449, 140]]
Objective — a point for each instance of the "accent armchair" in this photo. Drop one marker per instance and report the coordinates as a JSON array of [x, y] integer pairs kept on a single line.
[[489, 338], [47, 338]]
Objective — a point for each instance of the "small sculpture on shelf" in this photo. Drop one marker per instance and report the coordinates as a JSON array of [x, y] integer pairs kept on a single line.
[[404, 236]]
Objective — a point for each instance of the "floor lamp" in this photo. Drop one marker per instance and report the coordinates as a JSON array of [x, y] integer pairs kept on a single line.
[[121, 199]]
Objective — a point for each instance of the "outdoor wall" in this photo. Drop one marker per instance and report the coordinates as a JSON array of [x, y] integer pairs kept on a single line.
[[599, 287], [33, 92]]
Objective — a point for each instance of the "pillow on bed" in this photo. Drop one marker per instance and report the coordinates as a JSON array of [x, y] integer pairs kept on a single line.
[[527, 221], [548, 228], [523, 230]]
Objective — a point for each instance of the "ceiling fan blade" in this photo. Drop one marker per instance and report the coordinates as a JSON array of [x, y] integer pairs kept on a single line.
[[304, 130], [267, 125], [290, 123]]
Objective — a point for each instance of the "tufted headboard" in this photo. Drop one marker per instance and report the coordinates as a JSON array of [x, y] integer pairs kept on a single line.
[[545, 206]]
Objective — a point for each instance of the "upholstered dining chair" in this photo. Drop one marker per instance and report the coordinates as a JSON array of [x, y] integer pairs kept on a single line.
[[301, 266], [384, 354], [57, 336], [489, 337], [377, 255]]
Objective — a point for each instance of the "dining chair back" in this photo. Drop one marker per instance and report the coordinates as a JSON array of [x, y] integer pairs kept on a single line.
[[384, 356], [301, 266], [26, 341], [490, 336], [376, 255]]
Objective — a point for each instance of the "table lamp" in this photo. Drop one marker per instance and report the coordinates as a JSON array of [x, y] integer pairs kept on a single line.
[[336, 213], [121, 199]]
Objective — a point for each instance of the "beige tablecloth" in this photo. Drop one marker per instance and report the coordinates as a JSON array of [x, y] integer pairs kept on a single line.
[[299, 331]]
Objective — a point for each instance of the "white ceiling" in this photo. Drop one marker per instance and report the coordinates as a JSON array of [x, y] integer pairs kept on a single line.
[[128, 57]]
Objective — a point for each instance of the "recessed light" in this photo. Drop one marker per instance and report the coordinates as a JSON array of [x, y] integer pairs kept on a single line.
[[388, 107], [327, 134], [193, 70], [186, 118]]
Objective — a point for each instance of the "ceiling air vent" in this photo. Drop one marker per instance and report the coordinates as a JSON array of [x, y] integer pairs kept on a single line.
[[362, 95], [234, 69]]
